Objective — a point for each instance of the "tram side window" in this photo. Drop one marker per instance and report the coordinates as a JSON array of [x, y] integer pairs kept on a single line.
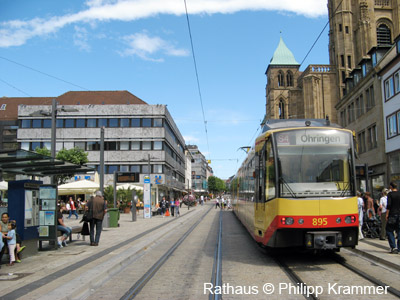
[[270, 173]]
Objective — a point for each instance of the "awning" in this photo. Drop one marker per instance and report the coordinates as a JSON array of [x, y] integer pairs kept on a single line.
[[78, 187], [34, 164], [129, 186]]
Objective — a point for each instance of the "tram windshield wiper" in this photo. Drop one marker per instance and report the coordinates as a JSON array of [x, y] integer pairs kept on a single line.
[[345, 190], [281, 179]]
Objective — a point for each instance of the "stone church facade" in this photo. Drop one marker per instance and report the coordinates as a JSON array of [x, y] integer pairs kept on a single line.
[[355, 27]]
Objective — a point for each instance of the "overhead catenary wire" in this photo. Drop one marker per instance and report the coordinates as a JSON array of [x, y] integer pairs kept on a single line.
[[197, 78], [14, 87], [43, 73]]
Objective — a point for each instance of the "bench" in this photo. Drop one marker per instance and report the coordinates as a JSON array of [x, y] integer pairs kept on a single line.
[[75, 229]]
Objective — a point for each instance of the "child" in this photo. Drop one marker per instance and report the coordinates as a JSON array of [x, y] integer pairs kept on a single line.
[[12, 241]]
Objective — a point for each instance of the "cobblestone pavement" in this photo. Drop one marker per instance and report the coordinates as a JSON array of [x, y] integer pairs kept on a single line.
[[80, 271]]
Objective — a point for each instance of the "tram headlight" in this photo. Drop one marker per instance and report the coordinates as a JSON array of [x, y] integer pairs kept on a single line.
[[287, 221], [350, 219], [338, 220], [301, 221]]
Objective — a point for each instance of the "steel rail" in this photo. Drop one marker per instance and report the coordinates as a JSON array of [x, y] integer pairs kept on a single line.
[[141, 283], [216, 277]]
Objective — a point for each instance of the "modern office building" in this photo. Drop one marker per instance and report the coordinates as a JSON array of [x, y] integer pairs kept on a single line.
[[199, 170], [138, 137]]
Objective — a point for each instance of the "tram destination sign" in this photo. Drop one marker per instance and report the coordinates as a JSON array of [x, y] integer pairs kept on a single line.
[[123, 177]]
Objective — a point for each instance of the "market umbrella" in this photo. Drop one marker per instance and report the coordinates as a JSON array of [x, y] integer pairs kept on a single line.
[[78, 187], [3, 185], [129, 186], [189, 199]]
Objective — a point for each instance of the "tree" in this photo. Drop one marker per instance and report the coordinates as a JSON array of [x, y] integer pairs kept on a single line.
[[215, 184], [75, 155]]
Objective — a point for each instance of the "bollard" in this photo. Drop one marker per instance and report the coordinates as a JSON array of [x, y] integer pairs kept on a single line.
[[133, 206]]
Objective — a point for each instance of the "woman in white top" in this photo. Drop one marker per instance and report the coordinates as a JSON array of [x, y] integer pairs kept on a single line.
[[360, 215], [382, 207]]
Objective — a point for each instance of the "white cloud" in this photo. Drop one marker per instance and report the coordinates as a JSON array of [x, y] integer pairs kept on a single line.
[[143, 46], [81, 38], [18, 32]]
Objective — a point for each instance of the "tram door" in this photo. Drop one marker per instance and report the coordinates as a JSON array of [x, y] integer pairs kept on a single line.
[[260, 185]]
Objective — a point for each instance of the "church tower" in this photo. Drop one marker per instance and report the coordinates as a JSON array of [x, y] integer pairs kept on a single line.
[[282, 74]]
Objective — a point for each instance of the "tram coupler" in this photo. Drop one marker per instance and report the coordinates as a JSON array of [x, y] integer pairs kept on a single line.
[[323, 240]]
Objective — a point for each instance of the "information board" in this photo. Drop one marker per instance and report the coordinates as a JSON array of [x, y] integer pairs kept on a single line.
[[48, 213]]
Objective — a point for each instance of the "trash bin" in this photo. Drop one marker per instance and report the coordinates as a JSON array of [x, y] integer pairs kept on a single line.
[[113, 217]]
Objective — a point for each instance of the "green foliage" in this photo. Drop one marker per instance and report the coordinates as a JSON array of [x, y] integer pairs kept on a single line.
[[123, 195], [215, 184], [76, 156]]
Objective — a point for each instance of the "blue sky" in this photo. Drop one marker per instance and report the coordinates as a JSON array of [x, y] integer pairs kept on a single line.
[[143, 46]]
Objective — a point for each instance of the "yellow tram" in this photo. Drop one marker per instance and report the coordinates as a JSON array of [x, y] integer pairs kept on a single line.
[[297, 188]]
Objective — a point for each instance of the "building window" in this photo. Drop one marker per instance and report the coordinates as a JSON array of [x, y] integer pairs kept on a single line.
[[146, 145], [135, 168], [391, 126], [92, 123], [80, 123], [340, 27], [111, 169], [35, 145], [113, 123], [158, 145], [135, 145], [389, 88], [372, 137], [146, 122], [289, 78], [281, 79], [111, 146], [370, 97], [158, 169], [102, 122], [60, 123], [93, 146], [146, 169], [25, 123], [135, 122], [342, 60], [3, 107], [80, 145], [361, 141], [397, 82], [157, 122], [124, 168], [125, 122], [124, 145], [374, 59], [349, 61], [364, 70], [281, 109], [69, 123], [346, 29], [343, 76], [383, 35], [25, 146], [37, 123]]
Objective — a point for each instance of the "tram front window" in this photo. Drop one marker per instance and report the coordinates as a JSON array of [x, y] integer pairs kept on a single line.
[[314, 163]]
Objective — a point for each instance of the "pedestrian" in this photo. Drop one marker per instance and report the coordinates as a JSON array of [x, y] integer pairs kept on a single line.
[[382, 208], [370, 205], [177, 213], [98, 208], [11, 241], [4, 231], [216, 203], [73, 208], [172, 205], [393, 218], [163, 206], [202, 200], [360, 215], [66, 231]]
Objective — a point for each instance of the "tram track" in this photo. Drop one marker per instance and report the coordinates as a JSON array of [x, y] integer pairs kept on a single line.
[[141, 283], [86, 265], [216, 277]]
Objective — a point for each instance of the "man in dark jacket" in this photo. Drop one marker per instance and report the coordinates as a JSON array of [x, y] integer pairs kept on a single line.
[[393, 218], [98, 207]]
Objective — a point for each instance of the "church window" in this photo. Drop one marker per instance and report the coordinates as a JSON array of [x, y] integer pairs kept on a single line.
[[342, 60], [383, 35], [281, 79], [349, 61], [281, 109], [340, 27], [289, 78], [346, 29]]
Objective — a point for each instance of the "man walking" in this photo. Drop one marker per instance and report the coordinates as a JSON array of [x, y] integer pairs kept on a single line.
[[97, 206], [393, 218]]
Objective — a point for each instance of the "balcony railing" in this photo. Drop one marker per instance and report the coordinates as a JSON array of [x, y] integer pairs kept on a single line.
[[316, 69]]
